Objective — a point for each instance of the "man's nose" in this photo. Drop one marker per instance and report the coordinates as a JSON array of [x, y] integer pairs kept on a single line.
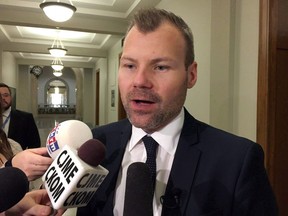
[[143, 78]]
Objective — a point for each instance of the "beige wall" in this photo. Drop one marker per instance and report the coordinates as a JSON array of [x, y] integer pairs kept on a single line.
[[113, 61], [88, 97], [101, 66], [23, 89], [9, 69], [246, 67]]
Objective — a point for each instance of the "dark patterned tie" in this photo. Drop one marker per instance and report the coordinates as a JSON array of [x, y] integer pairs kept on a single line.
[[151, 147]]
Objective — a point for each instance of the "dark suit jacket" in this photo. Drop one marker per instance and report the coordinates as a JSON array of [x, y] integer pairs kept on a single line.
[[217, 173], [22, 129]]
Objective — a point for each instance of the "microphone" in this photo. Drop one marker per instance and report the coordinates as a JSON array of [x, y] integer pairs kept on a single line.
[[139, 191], [171, 199], [13, 186], [72, 179], [70, 132]]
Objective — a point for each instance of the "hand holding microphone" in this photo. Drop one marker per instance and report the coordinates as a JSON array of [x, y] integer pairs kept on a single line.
[[33, 162], [35, 202]]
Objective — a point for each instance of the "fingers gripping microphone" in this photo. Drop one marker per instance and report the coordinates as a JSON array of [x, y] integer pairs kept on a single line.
[[139, 191], [13, 187], [72, 179], [71, 132]]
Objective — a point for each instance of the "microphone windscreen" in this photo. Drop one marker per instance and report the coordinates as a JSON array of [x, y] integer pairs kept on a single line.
[[92, 152], [71, 132], [139, 191], [13, 187]]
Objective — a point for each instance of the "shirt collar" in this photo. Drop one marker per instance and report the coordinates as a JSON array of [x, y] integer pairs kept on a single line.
[[167, 137]]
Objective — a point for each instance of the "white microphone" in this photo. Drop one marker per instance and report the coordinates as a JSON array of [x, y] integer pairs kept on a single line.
[[71, 132], [72, 179]]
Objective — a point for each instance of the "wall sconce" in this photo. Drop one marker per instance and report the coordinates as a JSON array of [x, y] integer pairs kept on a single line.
[[58, 11]]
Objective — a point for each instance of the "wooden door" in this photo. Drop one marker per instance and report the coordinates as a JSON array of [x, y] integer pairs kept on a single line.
[[272, 109], [97, 105]]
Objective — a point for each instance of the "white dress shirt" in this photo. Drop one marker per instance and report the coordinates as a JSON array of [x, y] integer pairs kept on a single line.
[[167, 138], [5, 115]]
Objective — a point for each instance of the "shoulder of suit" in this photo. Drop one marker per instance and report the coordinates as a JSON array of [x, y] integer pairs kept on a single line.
[[114, 125], [19, 112], [112, 128]]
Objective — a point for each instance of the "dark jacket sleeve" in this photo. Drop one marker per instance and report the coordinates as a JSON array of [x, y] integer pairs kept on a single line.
[[33, 139], [23, 129], [254, 195]]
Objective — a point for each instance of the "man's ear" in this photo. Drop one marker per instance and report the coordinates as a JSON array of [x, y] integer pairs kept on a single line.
[[192, 75]]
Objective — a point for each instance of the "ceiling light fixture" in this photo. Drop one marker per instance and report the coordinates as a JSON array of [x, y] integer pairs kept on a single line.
[[58, 11], [57, 73], [57, 64], [57, 49]]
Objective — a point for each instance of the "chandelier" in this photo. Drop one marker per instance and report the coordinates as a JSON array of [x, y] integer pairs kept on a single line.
[[57, 73], [57, 49], [57, 64], [58, 11]]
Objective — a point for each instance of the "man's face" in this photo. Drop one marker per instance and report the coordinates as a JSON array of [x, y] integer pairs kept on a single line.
[[153, 80], [6, 97]]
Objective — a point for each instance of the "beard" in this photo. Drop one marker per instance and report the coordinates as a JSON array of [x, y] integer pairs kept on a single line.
[[5, 105], [151, 121]]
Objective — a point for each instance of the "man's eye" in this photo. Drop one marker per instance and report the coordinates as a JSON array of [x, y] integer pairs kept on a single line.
[[127, 66], [5, 95], [161, 67]]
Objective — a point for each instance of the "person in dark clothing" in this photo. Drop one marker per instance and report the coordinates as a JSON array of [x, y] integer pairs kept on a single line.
[[18, 125]]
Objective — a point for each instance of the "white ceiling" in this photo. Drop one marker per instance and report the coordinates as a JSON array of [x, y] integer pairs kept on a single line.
[[26, 32]]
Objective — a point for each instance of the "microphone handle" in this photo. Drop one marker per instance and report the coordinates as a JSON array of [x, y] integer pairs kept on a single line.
[[139, 191]]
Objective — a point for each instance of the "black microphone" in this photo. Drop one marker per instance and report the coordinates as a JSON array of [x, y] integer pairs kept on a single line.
[[171, 200], [13, 187], [139, 191]]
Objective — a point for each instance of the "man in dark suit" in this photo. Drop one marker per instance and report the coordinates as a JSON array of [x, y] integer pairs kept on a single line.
[[18, 125], [201, 170]]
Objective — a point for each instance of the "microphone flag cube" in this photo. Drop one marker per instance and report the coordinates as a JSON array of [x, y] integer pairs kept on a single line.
[[70, 182]]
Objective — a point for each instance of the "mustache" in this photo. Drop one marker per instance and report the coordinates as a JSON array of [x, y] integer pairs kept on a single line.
[[143, 94]]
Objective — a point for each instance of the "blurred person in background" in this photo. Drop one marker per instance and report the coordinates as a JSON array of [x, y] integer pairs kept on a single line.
[[18, 125]]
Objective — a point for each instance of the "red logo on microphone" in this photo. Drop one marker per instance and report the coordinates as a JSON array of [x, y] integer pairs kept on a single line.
[[52, 144]]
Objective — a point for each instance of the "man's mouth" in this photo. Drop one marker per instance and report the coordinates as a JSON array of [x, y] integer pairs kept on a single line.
[[143, 102]]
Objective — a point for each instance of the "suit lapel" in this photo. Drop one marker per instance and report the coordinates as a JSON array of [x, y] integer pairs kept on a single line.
[[183, 169], [117, 145]]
